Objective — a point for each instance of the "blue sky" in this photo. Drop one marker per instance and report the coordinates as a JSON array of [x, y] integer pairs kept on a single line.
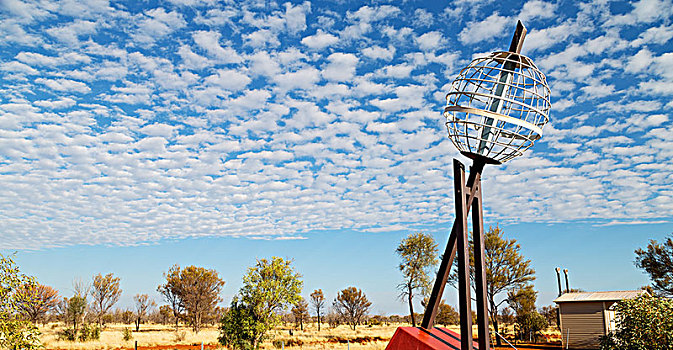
[[136, 135]]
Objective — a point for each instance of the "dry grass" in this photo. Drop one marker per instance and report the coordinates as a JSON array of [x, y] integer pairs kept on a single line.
[[160, 337], [112, 337]]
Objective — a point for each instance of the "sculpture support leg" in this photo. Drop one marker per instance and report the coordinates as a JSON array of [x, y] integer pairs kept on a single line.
[[464, 299], [480, 270], [450, 251]]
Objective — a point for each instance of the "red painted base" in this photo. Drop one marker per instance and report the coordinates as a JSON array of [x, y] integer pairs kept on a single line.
[[417, 338]]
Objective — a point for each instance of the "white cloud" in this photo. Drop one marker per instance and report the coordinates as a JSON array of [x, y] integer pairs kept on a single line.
[[430, 41], [209, 41], [261, 38], [491, 27], [70, 33], [65, 102], [547, 37], [535, 9], [157, 23], [295, 16], [64, 85], [70, 58], [191, 59], [341, 67], [319, 40], [655, 35], [378, 52], [304, 78], [229, 79]]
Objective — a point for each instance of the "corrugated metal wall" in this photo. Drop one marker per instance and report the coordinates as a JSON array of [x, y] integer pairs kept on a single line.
[[582, 324]]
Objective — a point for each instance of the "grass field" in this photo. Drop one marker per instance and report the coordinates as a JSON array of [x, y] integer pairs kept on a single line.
[[161, 337]]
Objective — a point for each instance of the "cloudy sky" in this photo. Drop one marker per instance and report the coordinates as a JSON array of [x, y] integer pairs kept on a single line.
[[243, 124]]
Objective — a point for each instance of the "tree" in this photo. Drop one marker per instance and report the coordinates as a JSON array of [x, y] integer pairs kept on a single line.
[[75, 308], [550, 313], [240, 327], [268, 288], [165, 314], [529, 323], [200, 293], [418, 253], [300, 313], [15, 332], [352, 305], [447, 315], [318, 302], [506, 270], [196, 290], [105, 293], [143, 306], [642, 323], [657, 261], [172, 294], [38, 300]]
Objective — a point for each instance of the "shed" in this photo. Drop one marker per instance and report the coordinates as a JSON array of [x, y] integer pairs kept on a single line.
[[586, 316]]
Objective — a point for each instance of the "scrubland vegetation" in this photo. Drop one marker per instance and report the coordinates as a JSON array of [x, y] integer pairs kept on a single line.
[[269, 311]]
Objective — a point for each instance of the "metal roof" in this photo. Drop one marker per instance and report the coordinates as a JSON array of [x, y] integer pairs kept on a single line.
[[599, 296]]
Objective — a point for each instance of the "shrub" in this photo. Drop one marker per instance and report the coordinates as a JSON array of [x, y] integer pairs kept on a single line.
[[126, 334], [529, 325], [642, 323], [89, 332], [67, 334], [180, 336]]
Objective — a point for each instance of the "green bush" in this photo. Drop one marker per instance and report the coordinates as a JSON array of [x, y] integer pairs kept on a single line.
[[67, 334], [89, 332], [643, 323], [126, 334], [529, 325]]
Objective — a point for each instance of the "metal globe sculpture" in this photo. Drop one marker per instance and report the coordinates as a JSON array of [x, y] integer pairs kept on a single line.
[[498, 105], [495, 110]]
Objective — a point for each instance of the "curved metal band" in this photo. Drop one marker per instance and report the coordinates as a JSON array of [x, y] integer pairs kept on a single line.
[[502, 117]]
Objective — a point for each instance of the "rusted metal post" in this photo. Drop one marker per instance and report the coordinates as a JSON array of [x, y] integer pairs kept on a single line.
[[480, 269], [463, 251]]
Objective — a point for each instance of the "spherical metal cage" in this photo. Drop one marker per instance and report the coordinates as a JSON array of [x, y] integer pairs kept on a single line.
[[497, 107]]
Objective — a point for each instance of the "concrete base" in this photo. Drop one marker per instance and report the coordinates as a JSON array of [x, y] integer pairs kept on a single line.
[[417, 338]]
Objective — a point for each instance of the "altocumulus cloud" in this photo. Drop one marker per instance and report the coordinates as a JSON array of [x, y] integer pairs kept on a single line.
[[124, 123]]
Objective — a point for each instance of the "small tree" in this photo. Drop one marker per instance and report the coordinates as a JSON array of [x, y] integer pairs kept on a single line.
[[268, 288], [352, 305], [318, 302], [418, 253], [529, 323], [240, 328], [165, 314], [38, 300], [447, 315], [75, 308], [15, 332], [194, 289], [642, 323], [143, 306], [300, 313], [172, 294], [549, 312], [657, 261], [105, 293]]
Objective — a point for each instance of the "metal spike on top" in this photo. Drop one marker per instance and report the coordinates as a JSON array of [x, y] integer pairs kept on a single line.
[[498, 104]]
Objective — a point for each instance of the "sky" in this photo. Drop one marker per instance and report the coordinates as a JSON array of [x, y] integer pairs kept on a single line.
[[139, 134]]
